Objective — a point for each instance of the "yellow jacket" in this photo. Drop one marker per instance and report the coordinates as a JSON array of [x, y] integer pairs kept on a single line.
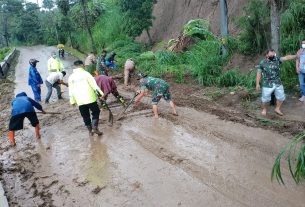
[[82, 87], [55, 65]]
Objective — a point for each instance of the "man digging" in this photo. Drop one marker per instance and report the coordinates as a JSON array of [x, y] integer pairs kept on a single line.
[[269, 72], [160, 89]]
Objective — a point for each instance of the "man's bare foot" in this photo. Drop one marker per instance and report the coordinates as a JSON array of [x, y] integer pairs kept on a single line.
[[277, 111], [156, 117], [264, 112], [175, 114]]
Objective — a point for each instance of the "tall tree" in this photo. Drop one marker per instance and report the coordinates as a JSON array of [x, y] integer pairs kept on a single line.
[[85, 13], [138, 15], [275, 24], [224, 24]]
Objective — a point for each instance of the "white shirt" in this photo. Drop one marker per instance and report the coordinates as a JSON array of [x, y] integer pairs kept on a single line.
[[54, 77]]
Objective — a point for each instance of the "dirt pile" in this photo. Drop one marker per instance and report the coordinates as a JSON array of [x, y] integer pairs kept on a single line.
[[170, 16]]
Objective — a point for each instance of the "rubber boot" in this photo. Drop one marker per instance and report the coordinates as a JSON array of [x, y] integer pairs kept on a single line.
[[11, 136], [95, 128], [90, 130], [37, 131]]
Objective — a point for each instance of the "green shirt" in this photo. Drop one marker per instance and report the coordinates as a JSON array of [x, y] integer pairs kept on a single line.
[[270, 72], [153, 84]]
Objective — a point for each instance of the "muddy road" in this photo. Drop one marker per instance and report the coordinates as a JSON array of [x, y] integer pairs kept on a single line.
[[192, 160]]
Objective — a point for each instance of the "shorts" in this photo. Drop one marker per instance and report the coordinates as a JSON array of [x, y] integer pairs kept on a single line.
[[278, 92], [159, 93], [16, 122]]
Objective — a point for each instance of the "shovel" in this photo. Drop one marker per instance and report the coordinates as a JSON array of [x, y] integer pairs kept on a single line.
[[104, 104], [130, 102], [48, 112], [110, 118]]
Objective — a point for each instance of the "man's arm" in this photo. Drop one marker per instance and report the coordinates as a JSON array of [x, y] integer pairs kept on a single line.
[[93, 84], [35, 104], [288, 57], [139, 97], [297, 65], [72, 99], [258, 79]]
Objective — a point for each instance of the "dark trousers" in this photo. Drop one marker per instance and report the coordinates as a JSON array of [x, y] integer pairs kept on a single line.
[[85, 112]]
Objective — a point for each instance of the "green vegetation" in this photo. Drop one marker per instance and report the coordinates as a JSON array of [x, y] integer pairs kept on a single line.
[[4, 52], [295, 151]]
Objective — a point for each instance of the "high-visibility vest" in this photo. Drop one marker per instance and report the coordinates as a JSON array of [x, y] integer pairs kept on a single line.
[[82, 87], [54, 65]]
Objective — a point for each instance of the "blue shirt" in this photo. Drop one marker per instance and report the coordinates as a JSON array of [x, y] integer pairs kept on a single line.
[[34, 77], [23, 104]]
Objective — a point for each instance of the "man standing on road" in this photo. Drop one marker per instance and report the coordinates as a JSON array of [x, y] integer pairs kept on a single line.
[[54, 80], [269, 72], [107, 85], [55, 64], [300, 67], [90, 63], [35, 80], [83, 91], [129, 68], [23, 107], [160, 89], [101, 64]]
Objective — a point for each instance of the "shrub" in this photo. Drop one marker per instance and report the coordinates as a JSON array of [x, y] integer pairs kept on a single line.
[[229, 78]]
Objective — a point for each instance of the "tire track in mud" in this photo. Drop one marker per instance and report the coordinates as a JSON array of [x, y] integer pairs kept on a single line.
[[228, 186]]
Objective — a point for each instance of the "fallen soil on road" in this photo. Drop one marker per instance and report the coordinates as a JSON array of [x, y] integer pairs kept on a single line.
[[215, 153]]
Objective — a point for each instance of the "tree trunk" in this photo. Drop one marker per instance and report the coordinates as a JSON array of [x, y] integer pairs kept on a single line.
[[149, 37], [5, 30], [70, 36], [224, 24], [275, 25], [87, 25]]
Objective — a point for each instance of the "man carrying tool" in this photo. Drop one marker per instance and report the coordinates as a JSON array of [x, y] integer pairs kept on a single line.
[[90, 63], [107, 85], [101, 64], [160, 89], [54, 80], [83, 91], [35, 80], [23, 107]]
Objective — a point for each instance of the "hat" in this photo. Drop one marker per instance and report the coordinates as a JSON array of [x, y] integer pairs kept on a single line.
[[33, 60]]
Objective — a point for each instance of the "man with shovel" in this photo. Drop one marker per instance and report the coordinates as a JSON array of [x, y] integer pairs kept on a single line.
[[160, 89], [83, 91], [23, 107], [107, 85]]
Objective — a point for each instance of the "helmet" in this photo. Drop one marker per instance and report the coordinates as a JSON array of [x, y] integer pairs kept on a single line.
[[33, 62], [113, 53]]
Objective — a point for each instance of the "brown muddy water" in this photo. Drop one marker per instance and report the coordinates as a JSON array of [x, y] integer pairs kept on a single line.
[[192, 160]]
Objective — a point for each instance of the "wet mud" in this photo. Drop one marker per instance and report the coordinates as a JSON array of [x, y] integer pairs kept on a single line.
[[199, 158]]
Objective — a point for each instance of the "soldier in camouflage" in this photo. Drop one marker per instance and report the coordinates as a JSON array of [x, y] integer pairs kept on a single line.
[[269, 72], [159, 88]]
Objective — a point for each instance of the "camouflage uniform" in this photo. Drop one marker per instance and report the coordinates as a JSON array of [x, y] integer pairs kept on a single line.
[[159, 87], [271, 81]]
